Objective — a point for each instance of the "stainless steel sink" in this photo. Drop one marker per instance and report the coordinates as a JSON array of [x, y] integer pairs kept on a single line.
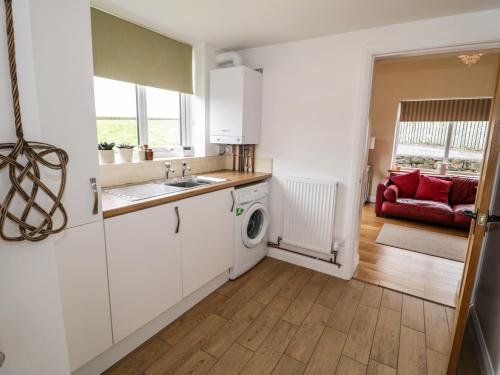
[[147, 190], [193, 181]]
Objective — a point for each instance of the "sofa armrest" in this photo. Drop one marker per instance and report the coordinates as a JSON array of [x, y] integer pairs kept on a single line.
[[382, 185]]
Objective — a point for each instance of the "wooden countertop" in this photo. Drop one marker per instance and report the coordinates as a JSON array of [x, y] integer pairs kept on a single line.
[[114, 206]]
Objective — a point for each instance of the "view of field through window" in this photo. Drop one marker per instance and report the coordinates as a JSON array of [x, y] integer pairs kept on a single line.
[[116, 114]]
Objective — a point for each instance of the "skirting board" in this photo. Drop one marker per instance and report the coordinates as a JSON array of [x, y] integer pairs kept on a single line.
[[480, 344], [122, 348], [303, 261]]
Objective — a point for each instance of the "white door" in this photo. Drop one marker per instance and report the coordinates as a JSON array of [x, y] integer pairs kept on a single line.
[[64, 89], [207, 229], [83, 281], [144, 265]]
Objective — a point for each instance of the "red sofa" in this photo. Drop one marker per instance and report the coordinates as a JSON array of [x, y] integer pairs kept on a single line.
[[461, 197]]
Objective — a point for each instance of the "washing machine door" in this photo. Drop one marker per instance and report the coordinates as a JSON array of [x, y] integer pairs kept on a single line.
[[255, 224]]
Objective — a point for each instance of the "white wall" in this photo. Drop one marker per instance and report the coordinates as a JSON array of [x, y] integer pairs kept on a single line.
[[204, 61], [315, 104]]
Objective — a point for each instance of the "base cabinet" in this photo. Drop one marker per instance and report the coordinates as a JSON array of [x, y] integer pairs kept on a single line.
[[81, 263], [159, 255], [207, 232], [144, 265]]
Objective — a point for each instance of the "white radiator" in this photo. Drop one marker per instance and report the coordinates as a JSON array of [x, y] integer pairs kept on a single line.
[[309, 214]]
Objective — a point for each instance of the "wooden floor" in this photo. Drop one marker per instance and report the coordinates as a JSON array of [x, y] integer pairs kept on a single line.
[[432, 278], [284, 319]]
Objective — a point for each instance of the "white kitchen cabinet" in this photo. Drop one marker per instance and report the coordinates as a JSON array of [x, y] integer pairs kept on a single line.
[[207, 229], [144, 266], [83, 282], [64, 89], [235, 105]]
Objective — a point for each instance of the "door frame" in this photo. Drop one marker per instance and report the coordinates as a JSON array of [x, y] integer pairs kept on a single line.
[[474, 247]]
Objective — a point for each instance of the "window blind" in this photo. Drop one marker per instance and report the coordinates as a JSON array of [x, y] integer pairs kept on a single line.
[[446, 110], [127, 52]]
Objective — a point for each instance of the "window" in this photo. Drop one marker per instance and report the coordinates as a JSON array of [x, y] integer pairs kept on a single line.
[[442, 135], [135, 114]]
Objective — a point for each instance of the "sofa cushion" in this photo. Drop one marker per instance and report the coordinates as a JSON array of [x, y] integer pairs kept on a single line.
[[463, 190], [459, 218], [433, 189], [391, 193], [424, 210], [407, 183]]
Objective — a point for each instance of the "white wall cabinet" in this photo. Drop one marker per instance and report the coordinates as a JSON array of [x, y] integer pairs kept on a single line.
[[207, 228], [83, 282], [235, 105], [144, 265]]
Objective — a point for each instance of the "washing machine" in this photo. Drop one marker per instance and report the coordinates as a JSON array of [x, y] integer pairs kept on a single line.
[[251, 225]]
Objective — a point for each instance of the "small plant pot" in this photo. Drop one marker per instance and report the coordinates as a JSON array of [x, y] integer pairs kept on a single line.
[[107, 156], [126, 154]]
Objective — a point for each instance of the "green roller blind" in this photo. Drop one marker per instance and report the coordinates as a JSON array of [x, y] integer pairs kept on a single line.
[[127, 52]]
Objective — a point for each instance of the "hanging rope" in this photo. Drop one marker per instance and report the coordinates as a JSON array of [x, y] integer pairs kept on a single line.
[[23, 162]]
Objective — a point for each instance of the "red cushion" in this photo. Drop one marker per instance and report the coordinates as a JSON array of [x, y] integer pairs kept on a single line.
[[463, 190], [407, 183], [433, 189], [391, 193]]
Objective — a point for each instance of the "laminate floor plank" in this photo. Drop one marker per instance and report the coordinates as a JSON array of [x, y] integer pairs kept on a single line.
[[348, 366], [386, 340], [304, 342], [437, 332], [253, 336], [289, 366], [270, 351], [186, 347], [331, 292], [198, 364], [375, 368], [392, 300], [412, 353], [413, 313], [360, 337], [344, 310], [293, 287], [327, 353], [222, 340], [301, 305], [233, 361]]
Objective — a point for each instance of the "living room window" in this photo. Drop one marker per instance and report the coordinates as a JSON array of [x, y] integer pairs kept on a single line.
[[442, 135], [135, 114]]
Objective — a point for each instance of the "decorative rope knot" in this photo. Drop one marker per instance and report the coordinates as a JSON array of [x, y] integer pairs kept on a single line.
[[34, 223]]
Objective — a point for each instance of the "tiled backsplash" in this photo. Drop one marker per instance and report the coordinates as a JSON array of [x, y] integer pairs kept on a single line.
[[137, 171]]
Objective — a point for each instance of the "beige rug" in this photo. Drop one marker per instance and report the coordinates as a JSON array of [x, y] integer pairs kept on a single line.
[[423, 241]]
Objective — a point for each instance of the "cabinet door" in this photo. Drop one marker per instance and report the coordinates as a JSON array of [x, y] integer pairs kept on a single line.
[[81, 262], [65, 94], [144, 265], [207, 229]]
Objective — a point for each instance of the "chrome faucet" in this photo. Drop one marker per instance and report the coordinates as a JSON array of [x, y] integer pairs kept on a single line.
[[168, 169], [184, 168]]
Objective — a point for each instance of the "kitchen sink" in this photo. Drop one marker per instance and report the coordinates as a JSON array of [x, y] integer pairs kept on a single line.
[[147, 190], [192, 182]]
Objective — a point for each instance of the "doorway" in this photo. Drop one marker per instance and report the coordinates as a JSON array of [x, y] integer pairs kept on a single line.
[[428, 115]]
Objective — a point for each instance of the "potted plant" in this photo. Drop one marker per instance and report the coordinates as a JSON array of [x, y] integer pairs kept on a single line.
[[126, 152], [106, 152]]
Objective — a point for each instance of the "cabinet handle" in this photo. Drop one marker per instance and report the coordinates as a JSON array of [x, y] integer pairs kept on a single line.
[[2, 359], [178, 219], [93, 184], [232, 196]]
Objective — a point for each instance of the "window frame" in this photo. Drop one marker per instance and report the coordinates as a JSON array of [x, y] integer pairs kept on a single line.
[[142, 120]]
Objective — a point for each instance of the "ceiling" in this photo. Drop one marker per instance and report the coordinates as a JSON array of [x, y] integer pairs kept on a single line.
[[237, 24]]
